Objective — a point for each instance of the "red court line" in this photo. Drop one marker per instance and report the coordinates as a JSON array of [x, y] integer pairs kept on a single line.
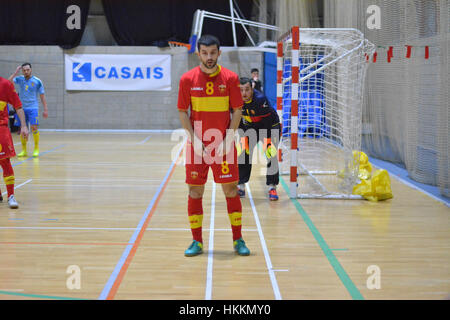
[[130, 256], [73, 243]]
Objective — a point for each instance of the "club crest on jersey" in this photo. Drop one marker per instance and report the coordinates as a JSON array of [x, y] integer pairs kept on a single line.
[[194, 174], [222, 88]]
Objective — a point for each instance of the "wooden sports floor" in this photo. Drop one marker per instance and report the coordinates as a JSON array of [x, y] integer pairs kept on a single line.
[[104, 216]]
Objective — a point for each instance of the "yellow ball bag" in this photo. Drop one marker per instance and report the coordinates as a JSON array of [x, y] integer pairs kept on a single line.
[[375, 189]]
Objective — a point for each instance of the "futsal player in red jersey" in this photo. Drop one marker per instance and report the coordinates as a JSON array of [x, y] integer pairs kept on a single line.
[[8, 95], [209, 92]]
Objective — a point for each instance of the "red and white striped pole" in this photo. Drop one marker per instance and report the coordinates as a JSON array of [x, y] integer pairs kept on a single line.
[[294, 110], [280, 91]]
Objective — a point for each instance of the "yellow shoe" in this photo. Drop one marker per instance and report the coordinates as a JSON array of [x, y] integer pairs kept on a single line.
[[22, 154], [36, 153]]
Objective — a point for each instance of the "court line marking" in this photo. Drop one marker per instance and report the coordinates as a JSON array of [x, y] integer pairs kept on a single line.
[[41, 154], [117, 229], [209, 270], [13, 290], [70, 243], [114, 281], [340, 271], [145, 140], [18, 186], [39, 296], [58, 186], [273, 279]]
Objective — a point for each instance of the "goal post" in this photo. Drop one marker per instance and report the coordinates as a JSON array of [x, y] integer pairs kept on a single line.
[[320, 81]]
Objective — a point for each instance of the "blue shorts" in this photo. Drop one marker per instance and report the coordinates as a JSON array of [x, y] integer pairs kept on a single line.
[[31, 117]]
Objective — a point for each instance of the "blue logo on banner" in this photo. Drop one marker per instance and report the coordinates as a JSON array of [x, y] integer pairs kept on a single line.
[[82, 72]]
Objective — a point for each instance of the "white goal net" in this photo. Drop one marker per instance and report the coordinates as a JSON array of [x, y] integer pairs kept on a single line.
[[320, 90]]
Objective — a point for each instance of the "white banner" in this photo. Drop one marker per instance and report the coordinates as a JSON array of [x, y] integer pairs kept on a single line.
[[117, 72]]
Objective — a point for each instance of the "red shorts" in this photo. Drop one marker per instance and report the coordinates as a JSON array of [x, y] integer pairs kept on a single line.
[[225, 170], [6, 143]]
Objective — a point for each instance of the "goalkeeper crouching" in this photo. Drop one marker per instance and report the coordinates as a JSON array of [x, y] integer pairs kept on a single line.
[[259, 122]]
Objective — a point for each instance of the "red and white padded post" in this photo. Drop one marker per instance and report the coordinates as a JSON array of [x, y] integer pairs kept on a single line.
[[280, 90], [294, 110]]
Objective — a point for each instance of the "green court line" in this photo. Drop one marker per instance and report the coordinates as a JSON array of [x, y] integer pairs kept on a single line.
[[39, 296], [345, 279]]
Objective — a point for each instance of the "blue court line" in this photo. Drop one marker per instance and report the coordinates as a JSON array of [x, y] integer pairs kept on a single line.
[[15, 219], [145, 140], [126, 252], [402, 174], [39, 296], [41, 154], [343, 276]]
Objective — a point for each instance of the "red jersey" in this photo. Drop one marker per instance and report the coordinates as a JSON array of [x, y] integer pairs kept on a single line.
[[7, 95], [210, 98]]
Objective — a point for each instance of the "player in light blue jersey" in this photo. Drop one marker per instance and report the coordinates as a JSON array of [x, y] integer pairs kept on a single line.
[[29, 88]]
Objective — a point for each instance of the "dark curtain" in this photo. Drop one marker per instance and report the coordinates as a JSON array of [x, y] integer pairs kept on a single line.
[[40, 22], [154, 22]]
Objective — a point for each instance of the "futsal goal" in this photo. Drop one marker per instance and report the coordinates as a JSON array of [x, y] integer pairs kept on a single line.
[[320, 80]]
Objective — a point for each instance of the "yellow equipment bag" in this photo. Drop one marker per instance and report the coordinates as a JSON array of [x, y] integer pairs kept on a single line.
[[373, 187]]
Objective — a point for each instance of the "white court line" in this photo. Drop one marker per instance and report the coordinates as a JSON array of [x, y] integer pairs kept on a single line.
[[273, 279], [209, 272], [12, 290], [102, 186], [116, 229], [145, 140], [281, 270], [18, 186], [66, 228]]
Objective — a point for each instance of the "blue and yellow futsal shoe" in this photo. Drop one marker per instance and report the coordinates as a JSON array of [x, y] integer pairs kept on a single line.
[[240, 247], [194, 249]]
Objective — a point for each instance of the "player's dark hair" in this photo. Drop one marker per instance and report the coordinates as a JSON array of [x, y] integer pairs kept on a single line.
[[254, 70], [208, 40], [26, 64], [245, 80]]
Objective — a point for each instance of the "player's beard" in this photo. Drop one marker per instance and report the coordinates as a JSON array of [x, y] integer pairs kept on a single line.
[[210, 64]]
